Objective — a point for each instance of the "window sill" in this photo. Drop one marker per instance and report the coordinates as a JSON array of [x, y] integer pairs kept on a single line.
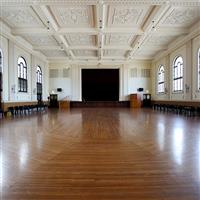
[[22, 91], [177, 92], [161, 93]]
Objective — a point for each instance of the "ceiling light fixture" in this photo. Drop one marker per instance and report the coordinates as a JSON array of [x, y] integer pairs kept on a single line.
[[153, 26], [100, 24], [48, 25]]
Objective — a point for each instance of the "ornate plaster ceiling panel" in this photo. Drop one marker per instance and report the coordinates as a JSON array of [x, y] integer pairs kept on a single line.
[[81, 27], [159, 40], [126, 16], [79, 16], [114, 53], [41, 40], [143, 52], [83, 53], [81, 39], [19, 17], [54, 53], [118, 39], [182, 17], [144, 55]]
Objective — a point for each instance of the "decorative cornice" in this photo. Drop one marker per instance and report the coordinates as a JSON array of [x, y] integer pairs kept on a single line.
[[95, 2]]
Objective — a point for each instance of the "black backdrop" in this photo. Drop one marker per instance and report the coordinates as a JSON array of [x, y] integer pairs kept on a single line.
[[100, 84]]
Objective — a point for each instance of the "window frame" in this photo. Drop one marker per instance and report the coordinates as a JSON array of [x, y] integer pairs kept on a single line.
[[39, 83], [22, 75], [1, 77], [198, 70], [1, 61], [178, 75], [161, 75]]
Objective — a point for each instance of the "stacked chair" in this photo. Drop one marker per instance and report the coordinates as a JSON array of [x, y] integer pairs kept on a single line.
[[27, 109], [1, 113], [178, 109]]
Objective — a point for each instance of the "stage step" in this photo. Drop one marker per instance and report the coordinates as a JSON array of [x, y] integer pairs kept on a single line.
[[80, 104]]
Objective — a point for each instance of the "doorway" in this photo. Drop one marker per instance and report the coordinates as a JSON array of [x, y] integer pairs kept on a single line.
[[100, 84]]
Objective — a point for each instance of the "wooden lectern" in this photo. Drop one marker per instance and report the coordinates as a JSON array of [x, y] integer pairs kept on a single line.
[[135, 101], [64, 103]]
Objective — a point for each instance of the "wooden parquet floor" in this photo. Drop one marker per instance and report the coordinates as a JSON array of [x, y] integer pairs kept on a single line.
[[100, 154]]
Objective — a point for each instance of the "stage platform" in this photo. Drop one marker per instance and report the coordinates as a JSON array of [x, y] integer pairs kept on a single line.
[[81, 104]]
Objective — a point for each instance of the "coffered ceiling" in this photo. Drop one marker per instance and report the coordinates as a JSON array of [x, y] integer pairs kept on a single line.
[[99, 30]]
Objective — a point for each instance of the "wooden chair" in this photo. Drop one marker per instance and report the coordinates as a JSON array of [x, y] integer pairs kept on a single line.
[[1, 113]]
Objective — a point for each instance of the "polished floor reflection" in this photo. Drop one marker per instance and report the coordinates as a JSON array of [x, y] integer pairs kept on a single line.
[[100, 153]]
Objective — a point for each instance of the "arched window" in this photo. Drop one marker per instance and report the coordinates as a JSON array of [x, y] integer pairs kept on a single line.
[[1, 75], [39, 83], [22, 75], [178, 74], [1, 61], [161, 79], [199, 69]]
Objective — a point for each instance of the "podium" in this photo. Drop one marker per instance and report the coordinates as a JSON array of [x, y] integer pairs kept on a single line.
[[146, 100], [135, 101], [64, 104], [53, 100]]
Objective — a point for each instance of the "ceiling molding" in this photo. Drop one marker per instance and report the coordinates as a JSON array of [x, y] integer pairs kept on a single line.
[[170, 31], [6, 32], [99, 29], [95, 2], [150, 26], [38, 48], [63, 31], [36, 31], [179, 42], [55, 27]]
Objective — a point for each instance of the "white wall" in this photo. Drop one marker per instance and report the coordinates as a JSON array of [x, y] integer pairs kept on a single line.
[[139, 82], [60, 81], [11, 52], [72, 86], [188, 51]]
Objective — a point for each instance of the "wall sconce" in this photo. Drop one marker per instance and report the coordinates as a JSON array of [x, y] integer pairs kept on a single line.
[[13, 88], [166, 90], [187, 88]]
